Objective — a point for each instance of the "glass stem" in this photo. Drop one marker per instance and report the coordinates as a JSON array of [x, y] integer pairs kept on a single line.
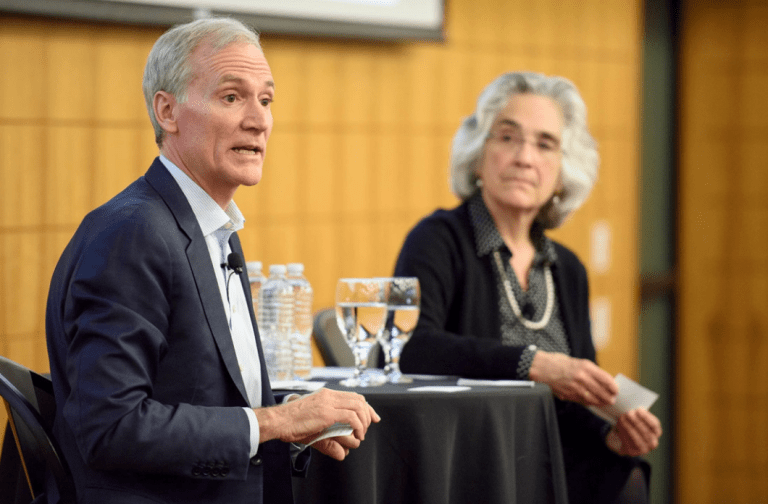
[[361, 361]]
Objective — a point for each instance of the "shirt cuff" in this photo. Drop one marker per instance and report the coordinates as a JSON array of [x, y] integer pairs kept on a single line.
[[254, 424], [526, 359], [290, 396]]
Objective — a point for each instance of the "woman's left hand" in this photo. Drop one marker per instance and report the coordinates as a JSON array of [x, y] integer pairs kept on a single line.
[[636, 433]]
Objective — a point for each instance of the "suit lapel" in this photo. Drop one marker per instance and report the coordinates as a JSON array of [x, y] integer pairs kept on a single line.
[[200, 264], [267, 398]]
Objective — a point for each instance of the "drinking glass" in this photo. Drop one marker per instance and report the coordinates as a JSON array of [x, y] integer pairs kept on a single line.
[[403, 308], [361, 310]]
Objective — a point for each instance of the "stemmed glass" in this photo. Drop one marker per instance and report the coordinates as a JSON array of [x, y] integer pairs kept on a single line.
[[361, 310], [403, 308]]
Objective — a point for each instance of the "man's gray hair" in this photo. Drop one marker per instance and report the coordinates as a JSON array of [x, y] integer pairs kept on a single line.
[[580, 158], [168, 67]]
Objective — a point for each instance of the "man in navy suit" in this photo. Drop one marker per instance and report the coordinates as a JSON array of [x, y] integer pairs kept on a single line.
[[160, 382]]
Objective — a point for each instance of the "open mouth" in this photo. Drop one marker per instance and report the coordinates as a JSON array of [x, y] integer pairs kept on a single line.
[[249, 151]]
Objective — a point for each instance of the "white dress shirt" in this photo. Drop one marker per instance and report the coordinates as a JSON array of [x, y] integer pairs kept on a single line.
[[217, 226]]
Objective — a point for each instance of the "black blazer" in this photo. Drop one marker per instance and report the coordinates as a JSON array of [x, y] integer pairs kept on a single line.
[[459, 330], [148, 390], [459, 333]]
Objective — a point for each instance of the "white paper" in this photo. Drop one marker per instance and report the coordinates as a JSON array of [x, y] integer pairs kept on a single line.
[[632, 395], [308, 386], [426, 377], [437, 388], [494, 383], [332, 372], [335, 430]]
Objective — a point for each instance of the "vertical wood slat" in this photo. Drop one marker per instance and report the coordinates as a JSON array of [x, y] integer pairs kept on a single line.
[[723, 326]]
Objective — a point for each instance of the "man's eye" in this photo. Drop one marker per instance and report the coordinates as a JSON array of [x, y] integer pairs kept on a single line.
[[265, 102], [230, 98]]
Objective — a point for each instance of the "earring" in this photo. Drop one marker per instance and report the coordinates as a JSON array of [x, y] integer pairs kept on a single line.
[[478, 182], [556, 199]]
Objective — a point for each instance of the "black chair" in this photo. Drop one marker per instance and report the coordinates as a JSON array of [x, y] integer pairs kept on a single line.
[[31, 467], [331, 343]]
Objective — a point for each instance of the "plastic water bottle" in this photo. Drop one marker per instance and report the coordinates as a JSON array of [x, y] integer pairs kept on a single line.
[[275, 320], [301, 333], [256, 279]]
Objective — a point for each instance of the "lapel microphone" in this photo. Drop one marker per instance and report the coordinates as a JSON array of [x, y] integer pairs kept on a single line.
[[234, 263]]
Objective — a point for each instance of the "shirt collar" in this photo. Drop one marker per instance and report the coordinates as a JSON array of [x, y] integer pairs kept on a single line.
[[208, 213], [488, 239]]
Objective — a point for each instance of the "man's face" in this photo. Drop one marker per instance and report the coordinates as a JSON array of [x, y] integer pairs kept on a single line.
[[224, 125]]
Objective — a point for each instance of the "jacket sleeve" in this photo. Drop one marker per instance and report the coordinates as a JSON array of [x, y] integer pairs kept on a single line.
[[128, 409], [455, 334]]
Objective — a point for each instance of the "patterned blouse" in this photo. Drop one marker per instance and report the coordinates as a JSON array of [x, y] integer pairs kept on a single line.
[[533, 302]]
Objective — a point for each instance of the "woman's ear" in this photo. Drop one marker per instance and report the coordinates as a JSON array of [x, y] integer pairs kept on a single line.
[[164, 106], [560, 187]]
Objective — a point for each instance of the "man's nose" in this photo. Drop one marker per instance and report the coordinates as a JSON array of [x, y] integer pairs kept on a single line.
[[258, 117]]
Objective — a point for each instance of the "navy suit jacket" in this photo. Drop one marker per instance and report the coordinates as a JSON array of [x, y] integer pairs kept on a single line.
[[148, 389]]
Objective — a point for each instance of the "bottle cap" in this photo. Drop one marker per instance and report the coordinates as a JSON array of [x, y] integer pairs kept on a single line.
[[295, 268], [277, 269], [253, 267]]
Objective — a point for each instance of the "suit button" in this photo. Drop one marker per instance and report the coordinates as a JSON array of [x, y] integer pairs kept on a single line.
[[256, 461]]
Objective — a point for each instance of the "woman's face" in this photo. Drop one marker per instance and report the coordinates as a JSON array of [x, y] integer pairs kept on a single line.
[[520, 164]]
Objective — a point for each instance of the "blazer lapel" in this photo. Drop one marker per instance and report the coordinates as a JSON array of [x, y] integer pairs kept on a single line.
[[267, 398], [567, 297], [200, 264], [566, 308]]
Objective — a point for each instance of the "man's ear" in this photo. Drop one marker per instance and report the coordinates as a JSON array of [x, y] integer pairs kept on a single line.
[[164, 105]]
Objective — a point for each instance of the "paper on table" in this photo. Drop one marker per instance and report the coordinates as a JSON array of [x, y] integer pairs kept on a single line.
[[337, 429], [426, 377], [631, 395], [494, 383], [309, 386], [332, 372], [439, 388]]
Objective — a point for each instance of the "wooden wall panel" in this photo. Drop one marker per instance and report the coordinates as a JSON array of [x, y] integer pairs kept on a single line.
[[358, 155], [723, 327]]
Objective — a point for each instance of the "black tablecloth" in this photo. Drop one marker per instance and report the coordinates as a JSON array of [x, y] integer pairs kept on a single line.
[[488, 445]]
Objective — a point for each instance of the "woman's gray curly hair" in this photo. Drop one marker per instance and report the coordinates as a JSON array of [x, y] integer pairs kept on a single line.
[[168, 67], [580, 158]]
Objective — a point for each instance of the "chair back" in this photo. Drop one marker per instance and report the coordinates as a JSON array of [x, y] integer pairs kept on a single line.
[[330, 342], [29, 401], [333, 346]]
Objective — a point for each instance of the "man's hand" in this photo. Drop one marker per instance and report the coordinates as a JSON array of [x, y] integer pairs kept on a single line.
[[303, 419], [636, 433], [571, 379], [337, 447]]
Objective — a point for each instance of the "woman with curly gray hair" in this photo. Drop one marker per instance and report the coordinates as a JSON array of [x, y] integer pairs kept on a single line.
[[501, 300]]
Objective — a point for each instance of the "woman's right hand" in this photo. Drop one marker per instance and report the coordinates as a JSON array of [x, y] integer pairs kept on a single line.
[[571, 379]]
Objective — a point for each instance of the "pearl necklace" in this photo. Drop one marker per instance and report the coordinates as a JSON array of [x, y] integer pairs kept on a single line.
[[513, 302]]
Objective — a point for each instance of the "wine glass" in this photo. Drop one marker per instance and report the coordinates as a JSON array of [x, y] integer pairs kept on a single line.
[[361, 310], [403, 308]]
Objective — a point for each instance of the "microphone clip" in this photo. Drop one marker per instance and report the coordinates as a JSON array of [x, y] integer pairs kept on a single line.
[[234, 263]]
